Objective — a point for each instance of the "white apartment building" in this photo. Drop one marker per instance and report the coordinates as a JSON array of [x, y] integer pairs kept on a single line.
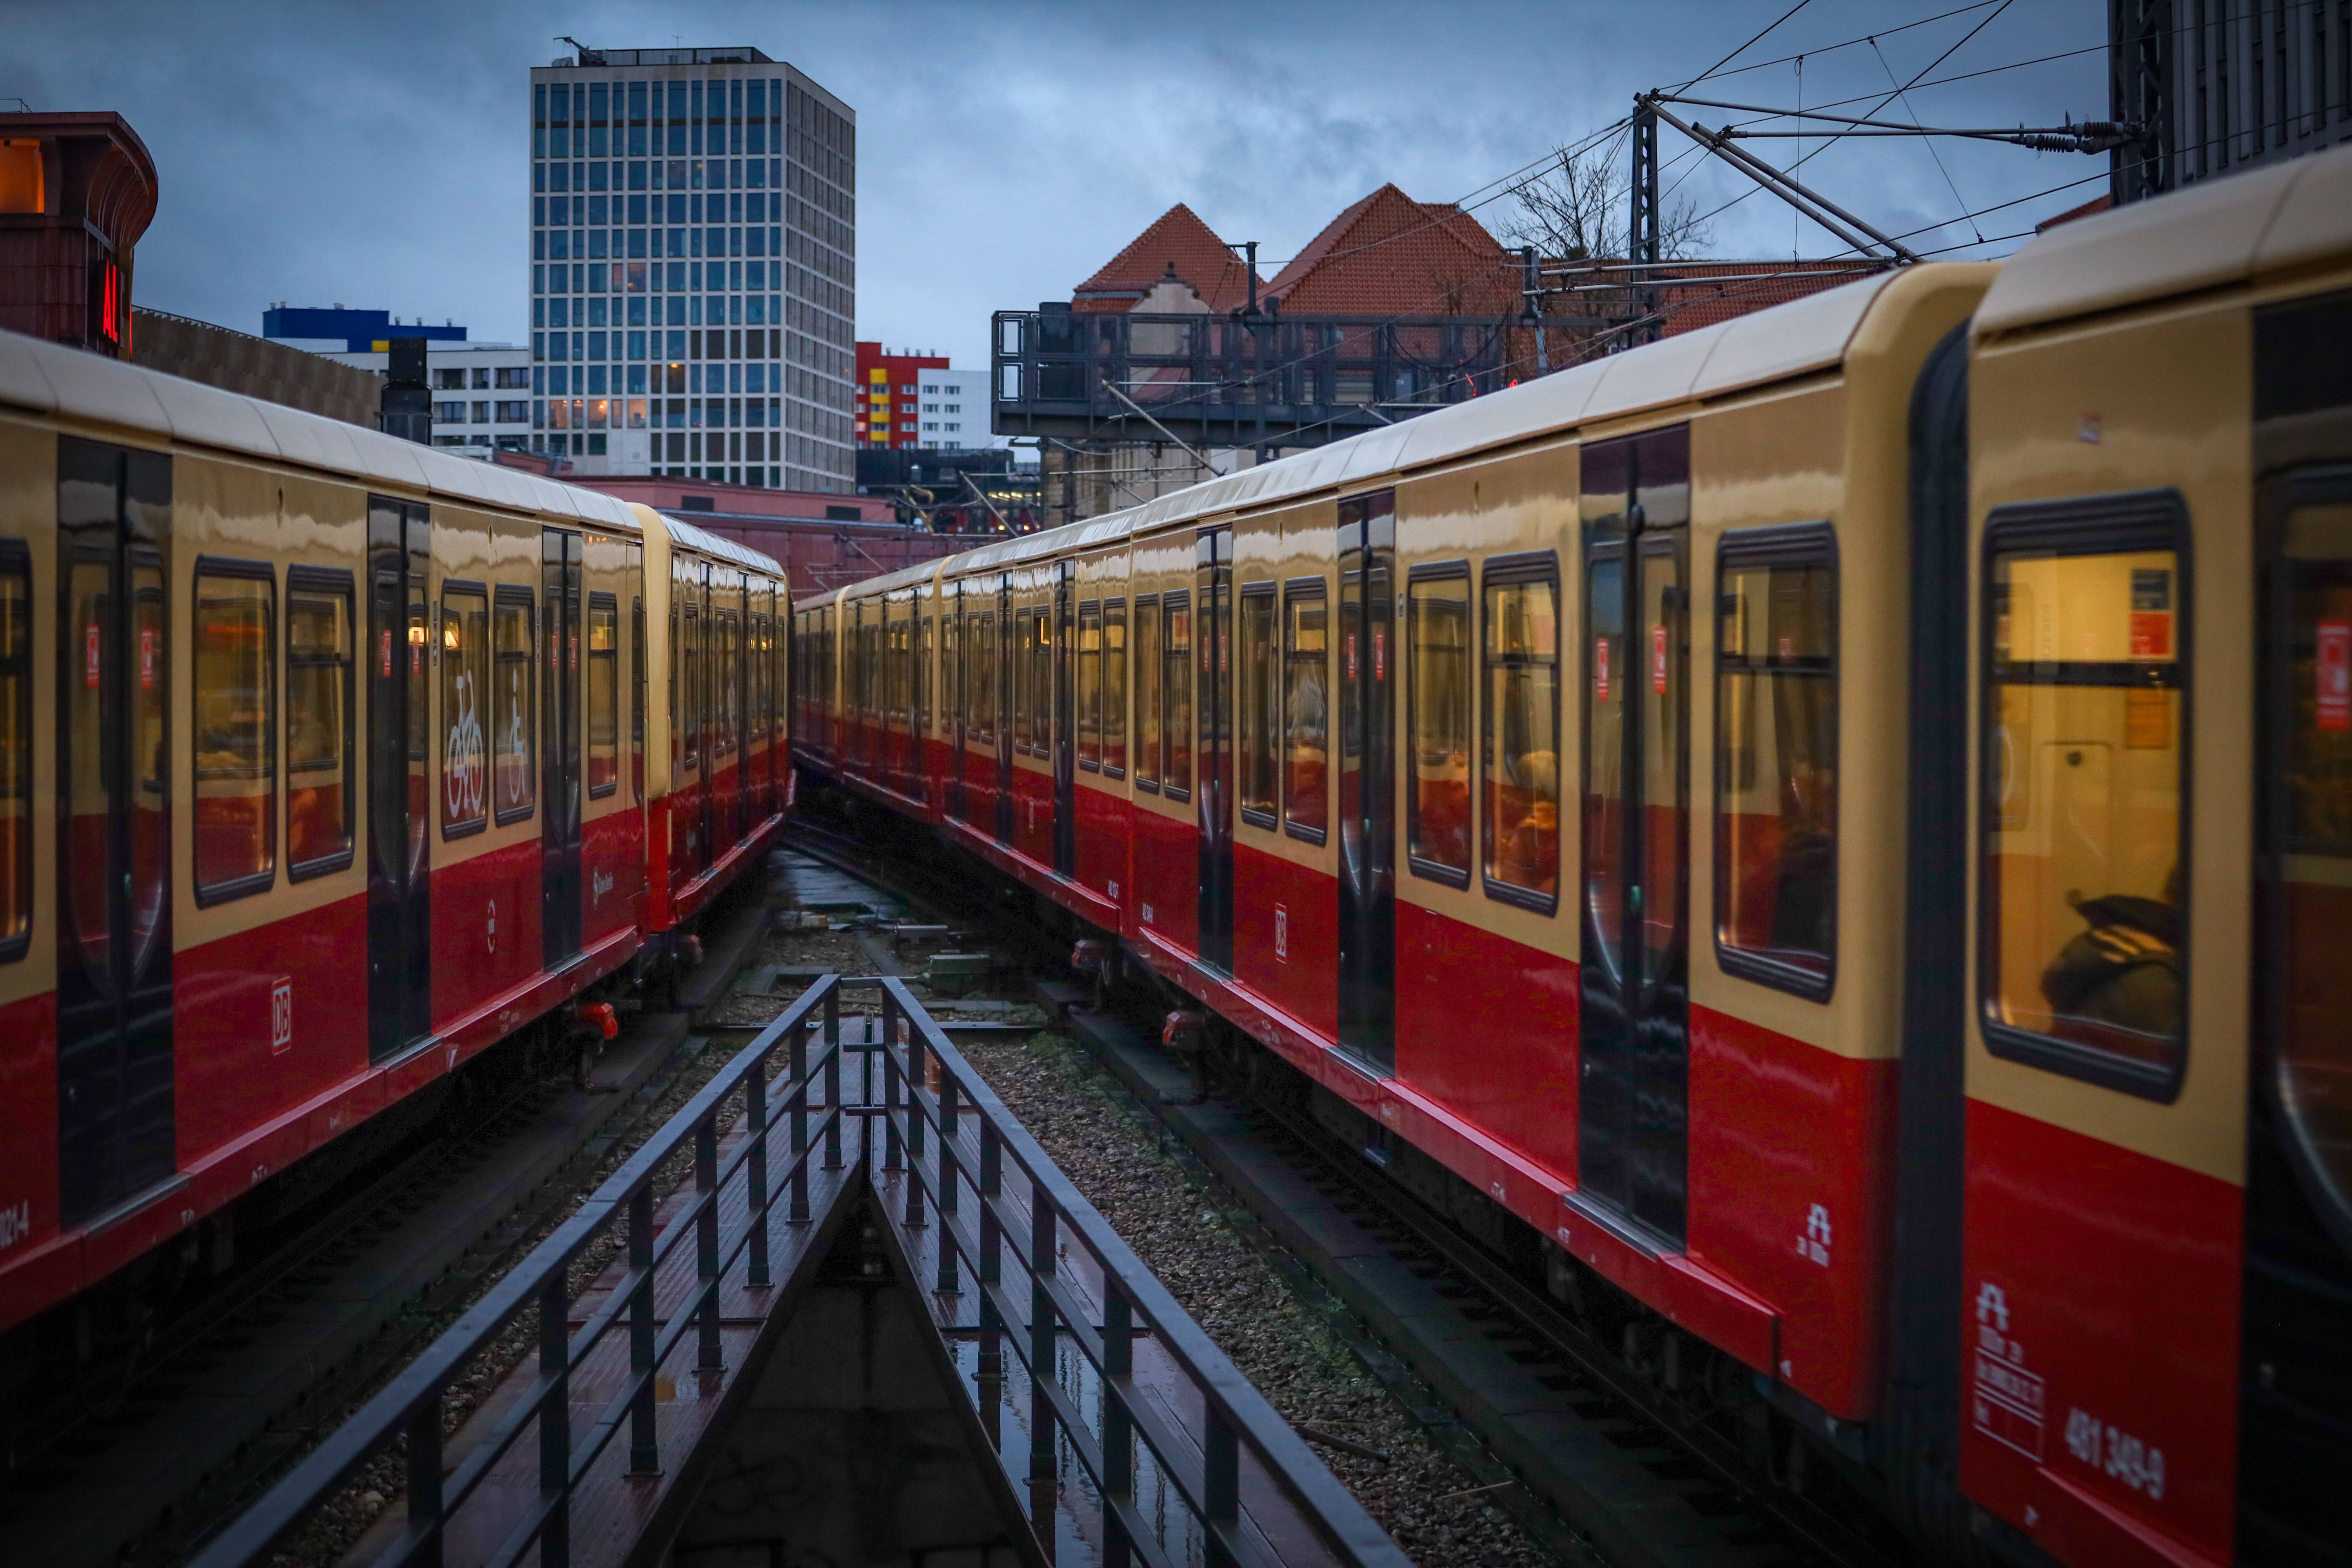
[[952, 408], [693, 271], [481, 392]]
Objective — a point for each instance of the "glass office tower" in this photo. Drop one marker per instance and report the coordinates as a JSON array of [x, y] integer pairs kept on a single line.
[[693, 267]]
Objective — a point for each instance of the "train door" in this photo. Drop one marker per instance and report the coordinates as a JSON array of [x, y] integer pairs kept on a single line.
[[1001, 679], [1367, 779], [1634, 1031], [399, 883], [560, 743], [1065, 710], [2297, 1380], [116, 1132], [960, 687], [1212, 622]]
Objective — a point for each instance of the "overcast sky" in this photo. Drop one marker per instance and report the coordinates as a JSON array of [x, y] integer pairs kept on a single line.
[[376, 154]]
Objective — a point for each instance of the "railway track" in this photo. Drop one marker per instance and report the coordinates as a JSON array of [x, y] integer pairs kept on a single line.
[[1613, 1452], [137, 1461]]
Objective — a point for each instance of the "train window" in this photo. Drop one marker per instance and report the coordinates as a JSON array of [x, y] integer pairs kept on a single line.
[[1439, 681], [465, 709], [1176, 695], [603, 694], [1023, 724], [2083, 859], [982, 681], [1114, 688], [923, 679], [686, 674], [638, 697], [1776, 737], [1090, 686], [513, 746], [1258, 707], [235, 736], [319, 718], [1307, 709], [1041, 678], [1519, 765], [1147, 694], [15, 749]]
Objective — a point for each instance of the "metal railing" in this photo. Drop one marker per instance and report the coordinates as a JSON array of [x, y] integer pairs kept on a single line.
[[1232, 380], [945, 1152], [1139, 1428], [412, 1404]]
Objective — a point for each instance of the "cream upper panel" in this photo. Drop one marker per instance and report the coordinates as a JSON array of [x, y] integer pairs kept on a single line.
[[2168, 397], [1521, 501], [2210, 234]]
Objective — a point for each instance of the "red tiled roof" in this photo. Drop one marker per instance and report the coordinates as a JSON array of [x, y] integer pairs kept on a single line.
[[1389, 254], [1177, 239]]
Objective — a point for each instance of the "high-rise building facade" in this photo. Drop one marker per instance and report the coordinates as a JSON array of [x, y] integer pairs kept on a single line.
[[693, 271]]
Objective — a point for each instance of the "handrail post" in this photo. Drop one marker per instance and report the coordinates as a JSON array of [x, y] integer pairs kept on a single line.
[[992, 1263], [1042, 1368], [425, 1497], [1222, 1485], [890, 1148], [645, 1444], [706, 1241], [555, 1422], [949, 1174], [800, 1211], [833, 1078], [755, 1109], [1118, 1426]]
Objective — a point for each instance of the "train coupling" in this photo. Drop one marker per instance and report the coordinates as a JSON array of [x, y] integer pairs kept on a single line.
[[600, 1019], [1091, 956], [689, 950]]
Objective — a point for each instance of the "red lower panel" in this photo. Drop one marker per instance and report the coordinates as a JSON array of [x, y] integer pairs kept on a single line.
[[2099, 1384], [1168, 878], [231, 1069], [658, 915], [1103, 827], [28, 1112], [1487, 1028], [1286, 936], [485, 928], [612, 873], [1033, 814], [1790, 1188]]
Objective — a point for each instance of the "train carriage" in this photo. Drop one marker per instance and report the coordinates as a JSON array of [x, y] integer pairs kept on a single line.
[[323, 768], [1831, 822]]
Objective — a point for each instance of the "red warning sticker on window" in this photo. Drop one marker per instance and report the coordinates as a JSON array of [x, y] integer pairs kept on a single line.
[[387, 650], [89, 656], [146, 659], [1658, 660], [1600, 669], [2334, 704]]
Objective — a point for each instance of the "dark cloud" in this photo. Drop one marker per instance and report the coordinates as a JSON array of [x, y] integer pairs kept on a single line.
[[376, 155]]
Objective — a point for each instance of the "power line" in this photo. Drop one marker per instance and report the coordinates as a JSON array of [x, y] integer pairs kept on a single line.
[[1743, 48]]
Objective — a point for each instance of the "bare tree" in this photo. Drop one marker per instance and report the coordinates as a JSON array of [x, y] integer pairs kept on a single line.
[[1576, 209]]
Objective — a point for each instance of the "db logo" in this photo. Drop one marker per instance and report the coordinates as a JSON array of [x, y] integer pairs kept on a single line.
[[281, 1013]]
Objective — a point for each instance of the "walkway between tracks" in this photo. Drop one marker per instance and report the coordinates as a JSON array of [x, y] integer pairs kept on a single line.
[[872, 1315]]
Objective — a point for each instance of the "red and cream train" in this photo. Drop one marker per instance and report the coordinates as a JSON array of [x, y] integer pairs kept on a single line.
[[1839, 823], [327, 761]]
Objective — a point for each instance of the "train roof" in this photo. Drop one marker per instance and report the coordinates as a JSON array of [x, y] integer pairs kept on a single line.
[[2212, 235], [1790, 339], [708, 543], [50, 378]]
